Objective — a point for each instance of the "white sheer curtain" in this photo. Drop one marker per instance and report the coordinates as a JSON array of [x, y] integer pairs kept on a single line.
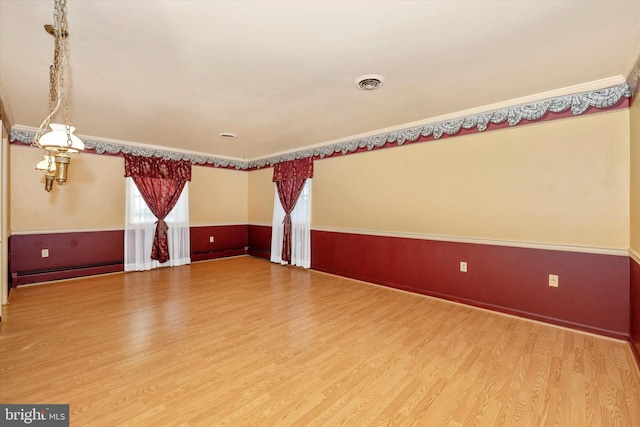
[[140, 228], [300, 229]]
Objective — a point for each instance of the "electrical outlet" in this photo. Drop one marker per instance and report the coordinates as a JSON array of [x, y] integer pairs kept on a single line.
[[463, 266], [211, 239], [45, 253], [553, 280]]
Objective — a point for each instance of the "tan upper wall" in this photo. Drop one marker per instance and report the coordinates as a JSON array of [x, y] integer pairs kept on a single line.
[[635, 176], [261, 192], [217, 196], [93, 198], [563, 182]]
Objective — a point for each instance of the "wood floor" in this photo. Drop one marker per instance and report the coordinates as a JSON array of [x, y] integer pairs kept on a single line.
[[243, 342]]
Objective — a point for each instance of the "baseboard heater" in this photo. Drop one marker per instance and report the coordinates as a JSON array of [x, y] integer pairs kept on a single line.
[[202, 256], [259, 253], [36, 276]]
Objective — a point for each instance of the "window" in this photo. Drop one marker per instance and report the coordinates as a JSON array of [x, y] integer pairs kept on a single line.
[[140, 225], [300, 232]]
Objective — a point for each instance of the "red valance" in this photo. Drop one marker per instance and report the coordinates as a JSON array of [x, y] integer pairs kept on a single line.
[[154, 167], [293, 169]]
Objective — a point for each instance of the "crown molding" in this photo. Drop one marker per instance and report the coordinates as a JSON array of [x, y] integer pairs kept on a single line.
[[577, 103], [632, 80], [27, 135], [633, 66], [569, 90]]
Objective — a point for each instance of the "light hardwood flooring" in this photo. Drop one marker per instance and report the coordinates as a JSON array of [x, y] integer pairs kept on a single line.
[[243, 342]]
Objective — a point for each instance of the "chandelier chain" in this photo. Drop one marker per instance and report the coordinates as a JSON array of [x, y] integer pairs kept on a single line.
[[56, 73], [56, 160]]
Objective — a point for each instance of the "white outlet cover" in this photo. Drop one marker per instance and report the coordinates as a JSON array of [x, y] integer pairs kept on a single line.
[[463, 266]]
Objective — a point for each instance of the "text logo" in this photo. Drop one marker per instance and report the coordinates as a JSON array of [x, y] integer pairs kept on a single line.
[[34, 415]]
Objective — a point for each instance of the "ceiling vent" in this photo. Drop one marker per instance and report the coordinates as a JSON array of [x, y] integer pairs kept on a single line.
[[369, 82]]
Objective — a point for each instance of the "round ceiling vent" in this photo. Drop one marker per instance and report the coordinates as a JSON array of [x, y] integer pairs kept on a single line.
[[369, 82]]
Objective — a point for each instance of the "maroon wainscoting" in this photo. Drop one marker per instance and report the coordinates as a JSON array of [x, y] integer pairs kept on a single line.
[[593, 293], [229, 240], [73, 254], [260, 241], [77, 254], [634, 269]]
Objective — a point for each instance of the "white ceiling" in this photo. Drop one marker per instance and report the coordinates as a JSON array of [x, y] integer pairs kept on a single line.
[[280, 74]]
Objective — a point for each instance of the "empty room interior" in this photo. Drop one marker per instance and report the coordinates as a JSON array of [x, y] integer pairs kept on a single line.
[[252, 213]]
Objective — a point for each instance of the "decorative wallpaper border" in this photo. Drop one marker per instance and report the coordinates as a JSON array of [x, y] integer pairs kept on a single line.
[[576, 103], [27, 137]]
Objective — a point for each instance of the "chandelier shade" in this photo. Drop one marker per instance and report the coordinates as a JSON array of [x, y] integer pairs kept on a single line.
[[46, 164], [61, 140]]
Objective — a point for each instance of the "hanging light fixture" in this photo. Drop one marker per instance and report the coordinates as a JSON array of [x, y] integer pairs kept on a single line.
[[60, 140]]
